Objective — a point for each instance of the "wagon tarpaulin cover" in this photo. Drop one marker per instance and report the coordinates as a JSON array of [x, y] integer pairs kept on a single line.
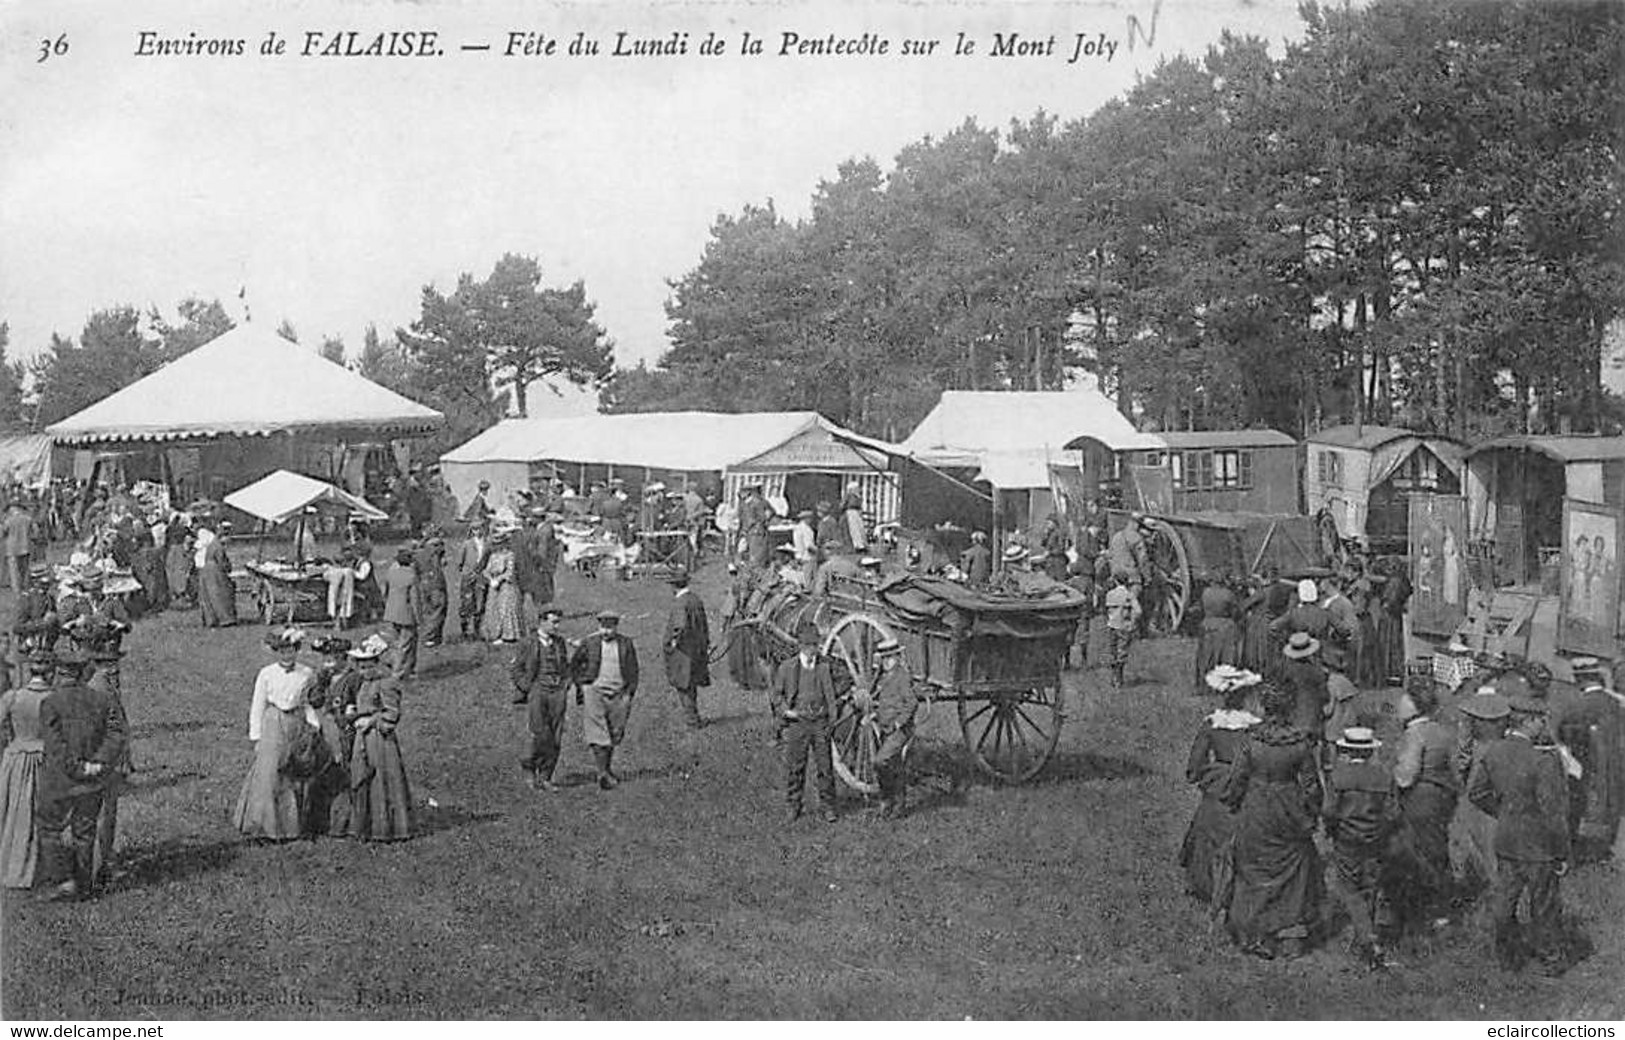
[[1049, 612]]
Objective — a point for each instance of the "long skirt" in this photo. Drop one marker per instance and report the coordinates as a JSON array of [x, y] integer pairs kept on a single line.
[[1278, 872], [269, 805], [1472, 846], [1259, 651], [380, 797], [179, 574], [19, 842], [1219, 643], [1387, 648], [743, 666], [502, 613], [1211, 826], [327, 795], [217, 597]]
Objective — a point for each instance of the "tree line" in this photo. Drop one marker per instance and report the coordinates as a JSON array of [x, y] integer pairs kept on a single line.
[[1411, 215]]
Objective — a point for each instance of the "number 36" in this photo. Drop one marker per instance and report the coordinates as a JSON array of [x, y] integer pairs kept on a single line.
[[57, 47]]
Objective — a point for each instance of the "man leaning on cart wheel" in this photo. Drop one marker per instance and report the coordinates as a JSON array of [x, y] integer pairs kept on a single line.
[[803, 695]]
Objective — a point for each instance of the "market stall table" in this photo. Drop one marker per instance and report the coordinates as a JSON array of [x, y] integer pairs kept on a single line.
[[289, 592]]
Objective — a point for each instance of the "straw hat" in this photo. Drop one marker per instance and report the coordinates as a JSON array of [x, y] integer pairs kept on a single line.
[[371, 648], [1358, 738], [1300, 646]]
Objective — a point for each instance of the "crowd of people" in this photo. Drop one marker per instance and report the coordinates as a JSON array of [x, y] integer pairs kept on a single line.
[[1305, 817], [1495, 805]]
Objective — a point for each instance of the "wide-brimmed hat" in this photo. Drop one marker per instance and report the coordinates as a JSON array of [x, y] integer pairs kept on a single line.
[[1223, 677], [1526, 705], [1012, 553], [870, 561], [331, 645], [371, 647], [283, 638], [1300, 646], [978, 536], [1485, 706], [1358, 738]]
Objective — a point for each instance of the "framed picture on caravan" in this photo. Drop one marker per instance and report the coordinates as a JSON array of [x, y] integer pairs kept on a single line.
[[1439, 571], [1589, 609]]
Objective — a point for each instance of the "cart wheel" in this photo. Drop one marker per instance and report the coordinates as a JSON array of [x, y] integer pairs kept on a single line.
[[850, 648], [1170, 584], [1332, 549], [1012, 733]]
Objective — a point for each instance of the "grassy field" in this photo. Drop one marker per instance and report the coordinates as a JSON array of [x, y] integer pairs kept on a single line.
[[683, 894]]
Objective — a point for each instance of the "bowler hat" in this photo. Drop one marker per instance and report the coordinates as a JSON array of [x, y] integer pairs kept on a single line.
[[1300, 646], [609, 617]]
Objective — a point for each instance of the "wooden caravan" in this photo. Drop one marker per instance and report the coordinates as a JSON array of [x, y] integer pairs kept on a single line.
[[1360, 478]]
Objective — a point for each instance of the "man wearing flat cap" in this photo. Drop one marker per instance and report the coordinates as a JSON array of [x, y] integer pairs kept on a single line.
[[35, 624], [803, 697], [605, 669], [687, 649], [1361, 810], [541, 678], [894, 710], [84, 735], [1523, 786]]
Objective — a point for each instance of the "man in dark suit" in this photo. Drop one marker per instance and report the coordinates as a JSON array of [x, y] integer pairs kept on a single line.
[[83, 732], [472, 556], [1523, 785], [688, 649], [605, 669], [431, 567], [541, 677], [803, 696]]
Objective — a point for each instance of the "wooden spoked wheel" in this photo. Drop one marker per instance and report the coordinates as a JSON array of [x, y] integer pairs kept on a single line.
[[850, 649], [1012, 733], [1332, 549], [1168, 586]]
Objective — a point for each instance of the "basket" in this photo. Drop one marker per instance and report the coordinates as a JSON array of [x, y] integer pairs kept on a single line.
[[1451, 670]]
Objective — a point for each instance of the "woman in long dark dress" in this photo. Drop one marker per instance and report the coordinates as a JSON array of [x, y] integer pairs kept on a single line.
[[217, 596], [1388, 650], [1278, 875], [1216, 746], [1261, 652], [381, 798], [1220, 640]]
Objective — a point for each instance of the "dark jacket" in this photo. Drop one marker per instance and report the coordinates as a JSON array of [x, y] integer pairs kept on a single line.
[[79, 725], [539, 666], [1361, 805], [813, 700], [688, 643], [1525, 789], [590, 654]]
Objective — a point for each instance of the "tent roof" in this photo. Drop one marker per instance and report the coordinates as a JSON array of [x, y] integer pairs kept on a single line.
[[248, 381], [1370, 437], [974, 422], [688, 441], [1225, 439], [282, 495], [1562, 449]]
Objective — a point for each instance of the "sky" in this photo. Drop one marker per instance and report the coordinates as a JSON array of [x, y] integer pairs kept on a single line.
[[333, 188]]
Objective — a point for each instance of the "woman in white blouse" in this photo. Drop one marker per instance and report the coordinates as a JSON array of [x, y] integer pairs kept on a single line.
[[279, 720]]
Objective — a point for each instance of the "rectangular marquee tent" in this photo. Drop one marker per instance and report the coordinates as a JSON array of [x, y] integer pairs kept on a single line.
[[799, 456]]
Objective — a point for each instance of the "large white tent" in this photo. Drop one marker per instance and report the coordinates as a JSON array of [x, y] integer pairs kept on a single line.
[[246, 382], [765, 447]]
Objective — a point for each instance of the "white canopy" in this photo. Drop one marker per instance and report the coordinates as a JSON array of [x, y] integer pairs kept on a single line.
[[689, 441], [248, 381], [284, 495]]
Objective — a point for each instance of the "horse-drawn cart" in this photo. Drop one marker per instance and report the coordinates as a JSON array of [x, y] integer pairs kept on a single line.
[[1188, 550], [998, 656]]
